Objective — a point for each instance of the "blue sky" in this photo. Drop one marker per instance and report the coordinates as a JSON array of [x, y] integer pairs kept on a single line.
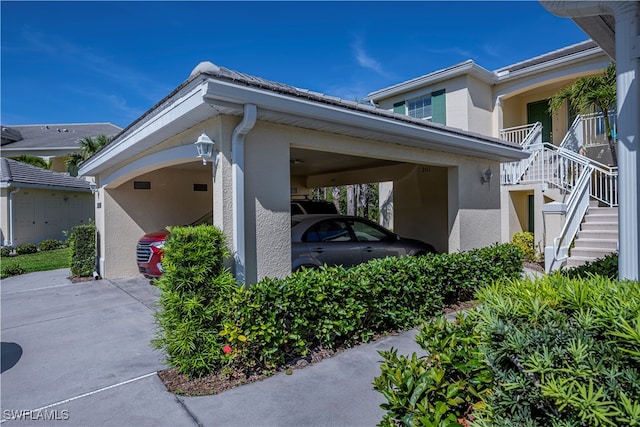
[[81, 62]]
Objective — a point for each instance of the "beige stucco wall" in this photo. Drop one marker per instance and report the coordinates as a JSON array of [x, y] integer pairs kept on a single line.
[[420, 205], [267, 203], [474, 206], [515, 211]]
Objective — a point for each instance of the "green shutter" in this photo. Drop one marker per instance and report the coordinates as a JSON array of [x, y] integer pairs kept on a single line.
[[398, 108], [438, 107]]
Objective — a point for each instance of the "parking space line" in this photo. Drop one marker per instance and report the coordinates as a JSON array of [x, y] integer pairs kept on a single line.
[[90, 393]]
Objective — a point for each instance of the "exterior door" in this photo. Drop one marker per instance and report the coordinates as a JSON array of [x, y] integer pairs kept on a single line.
[[538, 112]]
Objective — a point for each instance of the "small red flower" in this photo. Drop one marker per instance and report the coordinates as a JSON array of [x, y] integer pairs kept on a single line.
[[226, 349]]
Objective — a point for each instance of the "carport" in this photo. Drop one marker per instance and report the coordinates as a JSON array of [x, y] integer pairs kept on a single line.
[[273, 140]]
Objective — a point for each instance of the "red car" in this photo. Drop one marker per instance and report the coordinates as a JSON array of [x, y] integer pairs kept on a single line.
[[149, 250]]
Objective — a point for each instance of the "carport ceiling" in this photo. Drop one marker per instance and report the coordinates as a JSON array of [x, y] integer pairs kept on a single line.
[[310, 162]]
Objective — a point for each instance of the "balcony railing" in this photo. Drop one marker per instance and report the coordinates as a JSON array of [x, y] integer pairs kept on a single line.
[[517, 134], [588, 130]]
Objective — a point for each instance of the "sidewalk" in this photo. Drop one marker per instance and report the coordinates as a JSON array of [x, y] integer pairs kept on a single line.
[[86, 361], [78, 354]]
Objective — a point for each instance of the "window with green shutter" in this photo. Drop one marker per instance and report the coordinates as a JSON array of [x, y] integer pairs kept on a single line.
[[431, 107]]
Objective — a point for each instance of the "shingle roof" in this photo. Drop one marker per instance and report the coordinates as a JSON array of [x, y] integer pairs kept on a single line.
[[16, 174], [53, 135]]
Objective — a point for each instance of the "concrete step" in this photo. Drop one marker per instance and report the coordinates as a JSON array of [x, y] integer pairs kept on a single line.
[[600, 226], [597, 234], [609, 218], [597, 243], [590, 252], [576, 261]]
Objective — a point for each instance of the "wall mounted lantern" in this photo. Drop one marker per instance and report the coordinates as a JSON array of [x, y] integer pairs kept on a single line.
[[205, 147], [487, 176], [93, 187]]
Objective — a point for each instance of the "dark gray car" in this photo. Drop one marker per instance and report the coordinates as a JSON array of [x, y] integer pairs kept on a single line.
[[345, 240]]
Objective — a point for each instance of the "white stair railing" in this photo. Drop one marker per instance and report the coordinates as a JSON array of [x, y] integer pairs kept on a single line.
[[560, 168], [577, 207]]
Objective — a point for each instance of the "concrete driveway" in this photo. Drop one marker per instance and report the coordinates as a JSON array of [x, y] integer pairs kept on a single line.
[[78, 354]]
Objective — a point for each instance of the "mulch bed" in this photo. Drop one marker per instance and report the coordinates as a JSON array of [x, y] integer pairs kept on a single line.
[[218, 382]]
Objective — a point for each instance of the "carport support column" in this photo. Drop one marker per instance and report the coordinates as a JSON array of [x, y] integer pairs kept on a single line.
[[627, 16], [237, 177]]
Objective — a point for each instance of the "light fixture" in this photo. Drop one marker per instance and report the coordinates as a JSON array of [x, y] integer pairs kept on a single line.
[[486, 177], [205, 146], [93, 187]]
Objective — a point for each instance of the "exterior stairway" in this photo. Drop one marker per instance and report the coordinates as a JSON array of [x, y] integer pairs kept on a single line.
[[598, 235]]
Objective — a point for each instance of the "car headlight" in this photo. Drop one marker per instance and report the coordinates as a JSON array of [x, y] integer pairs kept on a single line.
[[159, 244]]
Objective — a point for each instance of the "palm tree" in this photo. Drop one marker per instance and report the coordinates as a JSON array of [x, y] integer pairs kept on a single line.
[[33, 161], [88, 147], [591, 93]]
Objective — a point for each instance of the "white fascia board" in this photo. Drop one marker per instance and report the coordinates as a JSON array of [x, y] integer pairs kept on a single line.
[[140, 137], [550, 65], [440, 139], [467, 67]]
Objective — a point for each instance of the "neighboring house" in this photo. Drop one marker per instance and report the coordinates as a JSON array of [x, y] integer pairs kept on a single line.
[[271, 141], [511, 103], [38, 204], [52, 142]]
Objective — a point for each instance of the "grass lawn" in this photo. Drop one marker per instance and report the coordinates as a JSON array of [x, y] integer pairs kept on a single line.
[[40, 261]]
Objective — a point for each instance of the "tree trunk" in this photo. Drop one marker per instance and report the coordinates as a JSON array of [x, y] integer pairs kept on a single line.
[[351, 205], [610, 140]]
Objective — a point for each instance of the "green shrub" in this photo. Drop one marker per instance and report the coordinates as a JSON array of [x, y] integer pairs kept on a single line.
[[83, 250], [12, 270], [196, 294], [6, 250], [525, 241], [332, 307], [606, 266], [563, 352], [27, 248], [50, 244], [441, 387]]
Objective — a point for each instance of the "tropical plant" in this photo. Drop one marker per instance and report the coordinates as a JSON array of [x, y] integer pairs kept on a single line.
[[33, 161], [589, 93], [88, 147]]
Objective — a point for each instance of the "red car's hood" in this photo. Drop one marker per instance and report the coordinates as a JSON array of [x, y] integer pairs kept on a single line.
[[156, 235]]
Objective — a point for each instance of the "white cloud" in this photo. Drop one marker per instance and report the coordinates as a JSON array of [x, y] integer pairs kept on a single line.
[[365, 60]]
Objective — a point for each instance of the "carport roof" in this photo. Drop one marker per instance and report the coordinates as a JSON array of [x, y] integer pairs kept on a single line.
[[18, 174], [228, 91]]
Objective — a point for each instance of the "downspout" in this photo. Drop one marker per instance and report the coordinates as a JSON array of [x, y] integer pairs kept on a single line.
[[237, 182], [11, 235]]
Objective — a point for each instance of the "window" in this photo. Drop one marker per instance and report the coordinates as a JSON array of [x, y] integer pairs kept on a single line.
[[367, 233], [431, 107], [420, 108], [328, 231]]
